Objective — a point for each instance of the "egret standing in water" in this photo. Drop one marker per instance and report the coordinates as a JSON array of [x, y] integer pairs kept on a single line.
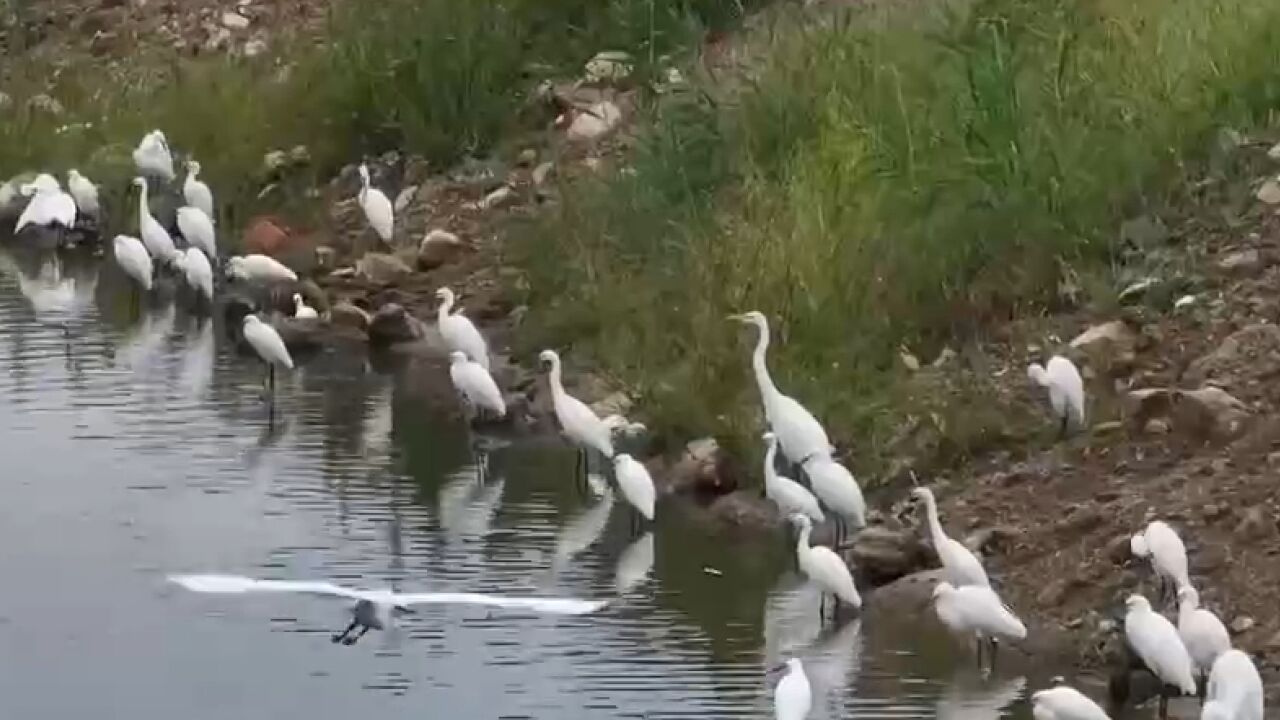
[[152, 156], [376, 206], [1203, 634], [1066, 390], [196, 192], [1065, 703], [978, 610], [793, 697], [197, 229], [475, 386], [579, 423], [49, 206], [636, 485], [790, 496], [835, 487], [1155, 641], [1235, 689], [198, 273], [961, 565], [825, 568], [459, 333], [154, 236], [1168, 557], [84, 192], [266, 342], [132, 257], [800, 435]]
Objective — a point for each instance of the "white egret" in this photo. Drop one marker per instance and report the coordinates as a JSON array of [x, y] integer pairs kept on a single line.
[[1168, 556], [195, 191], [835, 487], [260, 269], [1235, 689], [636, 484], [634, 564], [1066, 390], [374, 607], [1203, 634], [476, 387], [49, 206], [1065, 703], [84, 192], [377, 207], [303, 311], [152, 156], [790, 496], [154, 235], [197, 271], [800, 435], [44, 182], [793, 697], [578, 422], [197, 229], [459, 333], [134, 260], [977, 609], [824, 567], [269, 346], [961, 565], [1155, 641]]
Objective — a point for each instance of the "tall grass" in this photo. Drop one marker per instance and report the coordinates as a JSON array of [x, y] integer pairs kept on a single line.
[[888, 178]]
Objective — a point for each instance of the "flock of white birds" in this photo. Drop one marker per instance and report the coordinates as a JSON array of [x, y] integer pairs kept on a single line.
[[1197, 647]]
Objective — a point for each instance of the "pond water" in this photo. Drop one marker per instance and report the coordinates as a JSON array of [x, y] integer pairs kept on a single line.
[[141, 447]]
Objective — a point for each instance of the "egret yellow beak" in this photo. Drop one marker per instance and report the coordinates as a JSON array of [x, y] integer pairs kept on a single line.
[[736, 318]]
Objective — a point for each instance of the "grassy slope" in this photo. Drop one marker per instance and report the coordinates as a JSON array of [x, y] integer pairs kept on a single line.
[[889, 178]]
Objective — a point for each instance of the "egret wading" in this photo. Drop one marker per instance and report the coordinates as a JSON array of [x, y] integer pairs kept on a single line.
[[800, 435], [132, 257], [977, 610], [373, 608], [303, 311], [84, 192], [835, 486], [962, 567], [49, 206], [1235, 689], [793, 696], [636, 485], [578, 422], [154, 236], [197, 229], [1168, 555], [1202, 633], [153, 158], [790, 496], [1065, 703], [198, 273], [1156, 642], [825, 569], [459, 333], [266, 342], [196, 192], [1066, 391], [475, 387], [376, 206]]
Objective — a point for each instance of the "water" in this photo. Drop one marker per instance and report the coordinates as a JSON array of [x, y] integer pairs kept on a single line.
[[140, 448]]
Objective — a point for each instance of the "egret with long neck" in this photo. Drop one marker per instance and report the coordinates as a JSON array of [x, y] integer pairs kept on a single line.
[[961, 565]]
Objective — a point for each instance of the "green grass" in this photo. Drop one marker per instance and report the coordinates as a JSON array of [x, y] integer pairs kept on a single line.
[[898, 177]]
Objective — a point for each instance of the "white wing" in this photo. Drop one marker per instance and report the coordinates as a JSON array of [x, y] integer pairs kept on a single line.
[[1156, 641], [378, 210], [462, 336], [581, 424], [238, 584], [156, 238], [1204, 636], [199, 272], [792, 497], [132, 257], [268, 344], [197, 228], [1168, 554], [834, 485], [197, 194], [1067, 703], [800, 435], [1064, 376], [636, 485], [473, 381], [85, 195], [985, 611], [961, 564], [828, 569], [549, 606]]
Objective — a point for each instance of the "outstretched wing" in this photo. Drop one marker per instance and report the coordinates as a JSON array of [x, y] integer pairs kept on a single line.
[[550, 606], [239, 584]]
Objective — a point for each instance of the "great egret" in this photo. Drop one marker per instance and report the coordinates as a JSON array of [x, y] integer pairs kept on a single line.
[[825, 568], [835, 487], [133, 258], [476, 387], [197, 229], [793, 697], [790, 496], [260, 269], [961, 565], [1203, 634], [197, 271], [1155, 641], [459, 333], [49, 206], [1065, 703], [84, 192], [579, 423], [195, 191], [1168, 556], [1235, 689], [977, 609], [636, 484], [1066, 390], [303, 311], [266, 342], [373, 607], [800, 435], [377, 207], [154, 236], [152, 156]]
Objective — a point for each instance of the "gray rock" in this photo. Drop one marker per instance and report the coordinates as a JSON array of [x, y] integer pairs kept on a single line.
[[594, 122], [542, 173], [1242, 262], [347, 315], [439, 247], [392, 324], [382, 268], [881, 555]]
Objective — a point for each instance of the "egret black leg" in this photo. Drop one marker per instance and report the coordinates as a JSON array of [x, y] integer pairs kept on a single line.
[[351, 640], [977, 646], [1062, 429], [1164, 704], [822, 608], [995, 646], [342, 636], [581, 471], [271, 379]]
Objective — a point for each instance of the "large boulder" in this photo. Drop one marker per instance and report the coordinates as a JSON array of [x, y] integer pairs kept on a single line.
[[382, 268], [392, 324], [881, 555]]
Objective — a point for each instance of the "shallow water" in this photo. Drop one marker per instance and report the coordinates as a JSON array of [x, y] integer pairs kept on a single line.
[[140, 448]]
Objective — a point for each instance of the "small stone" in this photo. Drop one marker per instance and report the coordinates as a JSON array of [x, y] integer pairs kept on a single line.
[[1212, 511], [608, 66], [1254, 525], [439, 247], [1269, 193], [542, 173], [1241, 624], [348, 315], [1156, 426], [405, 197], [234, 21], [1274, 152], [274, 160], [325, 257], [909, 360], [527, 157], [594, 122], [501, 197], [299, 155], [1245, 262], [254, 47], [46, 104], [382, 268]]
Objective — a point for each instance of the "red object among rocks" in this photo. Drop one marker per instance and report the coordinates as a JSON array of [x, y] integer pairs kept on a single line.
[[266, 235]]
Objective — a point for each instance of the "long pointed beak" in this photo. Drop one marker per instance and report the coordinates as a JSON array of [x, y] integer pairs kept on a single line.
[[915, 482], [735, 318]]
